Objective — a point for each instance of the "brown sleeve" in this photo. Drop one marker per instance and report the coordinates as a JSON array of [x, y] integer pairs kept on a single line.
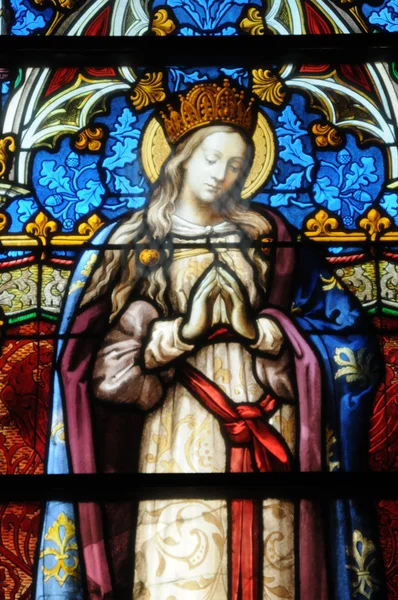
[[277, 374], [118, 371], [274, 366]]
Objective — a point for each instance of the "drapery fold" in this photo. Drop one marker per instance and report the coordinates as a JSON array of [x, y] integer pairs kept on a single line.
[[255, 446], [75, 363]]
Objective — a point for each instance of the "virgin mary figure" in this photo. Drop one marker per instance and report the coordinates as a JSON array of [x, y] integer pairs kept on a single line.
[[216, 342]]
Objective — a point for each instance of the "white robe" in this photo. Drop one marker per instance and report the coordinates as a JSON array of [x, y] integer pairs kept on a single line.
[[181, 545]]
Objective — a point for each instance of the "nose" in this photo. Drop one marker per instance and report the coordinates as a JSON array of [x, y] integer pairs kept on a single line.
[[219, 171]]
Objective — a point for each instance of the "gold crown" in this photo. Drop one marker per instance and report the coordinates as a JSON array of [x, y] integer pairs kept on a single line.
[[206, 103]]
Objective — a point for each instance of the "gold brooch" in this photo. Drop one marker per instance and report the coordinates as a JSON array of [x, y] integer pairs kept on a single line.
[[266, 249], [149, 257]]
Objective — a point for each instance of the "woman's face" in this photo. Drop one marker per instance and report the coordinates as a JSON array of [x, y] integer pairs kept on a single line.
[[215, 165]]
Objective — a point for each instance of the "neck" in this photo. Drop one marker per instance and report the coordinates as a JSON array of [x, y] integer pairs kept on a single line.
[[191, 209]]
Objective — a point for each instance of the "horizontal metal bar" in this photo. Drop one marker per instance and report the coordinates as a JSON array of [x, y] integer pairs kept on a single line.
[[18, 51], [117, 487], [37, 247]]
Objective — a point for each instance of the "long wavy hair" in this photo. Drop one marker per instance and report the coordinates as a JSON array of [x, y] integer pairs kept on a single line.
[[153, 224]]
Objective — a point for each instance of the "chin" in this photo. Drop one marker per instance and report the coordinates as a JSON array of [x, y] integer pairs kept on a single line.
[[209, 198]]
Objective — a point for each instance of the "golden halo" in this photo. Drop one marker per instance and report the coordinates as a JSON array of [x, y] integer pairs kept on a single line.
[[156, 150]]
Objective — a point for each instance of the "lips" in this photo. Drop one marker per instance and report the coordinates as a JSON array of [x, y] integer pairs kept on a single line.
[[212, 187]]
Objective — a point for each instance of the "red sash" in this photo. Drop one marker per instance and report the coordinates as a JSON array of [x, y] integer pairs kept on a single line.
[[255, 446]]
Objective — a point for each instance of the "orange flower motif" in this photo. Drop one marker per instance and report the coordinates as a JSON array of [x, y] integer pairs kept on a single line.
[[326, 135], [90, 139]]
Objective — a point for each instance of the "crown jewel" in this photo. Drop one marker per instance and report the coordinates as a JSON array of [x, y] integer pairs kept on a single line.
[[206, 103]]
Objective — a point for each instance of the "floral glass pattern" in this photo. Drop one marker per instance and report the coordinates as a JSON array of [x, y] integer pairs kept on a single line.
[[199, 18]]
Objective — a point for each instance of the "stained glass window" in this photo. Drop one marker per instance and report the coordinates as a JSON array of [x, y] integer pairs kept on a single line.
[[198, 303]]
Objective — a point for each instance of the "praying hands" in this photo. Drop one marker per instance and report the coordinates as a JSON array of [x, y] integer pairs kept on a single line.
[[199, 318]]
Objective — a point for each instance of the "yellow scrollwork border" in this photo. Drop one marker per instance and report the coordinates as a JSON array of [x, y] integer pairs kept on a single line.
[[323, 227], [43, 232], [320, 227]]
